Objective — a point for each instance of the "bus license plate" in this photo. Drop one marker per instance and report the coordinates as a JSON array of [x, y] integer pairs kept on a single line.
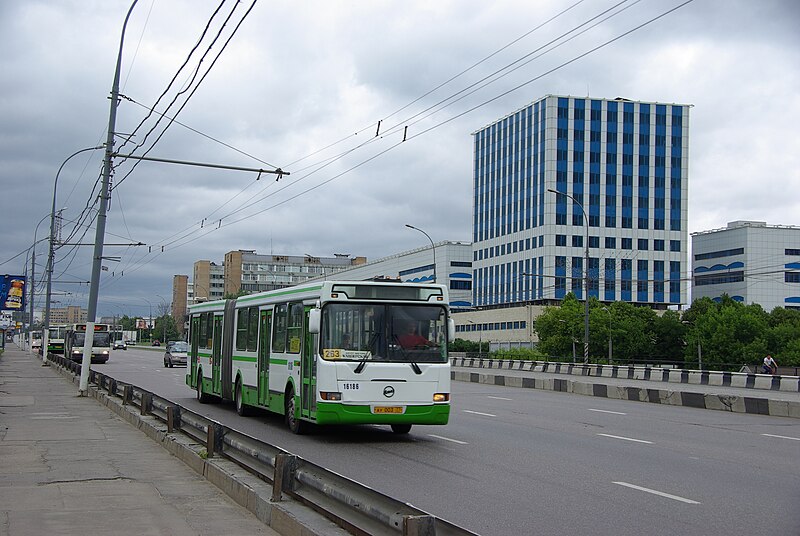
[[387, 409]]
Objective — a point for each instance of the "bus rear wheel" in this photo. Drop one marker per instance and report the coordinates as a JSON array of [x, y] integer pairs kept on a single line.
[[296, 425], [241, 408], [401, 428]]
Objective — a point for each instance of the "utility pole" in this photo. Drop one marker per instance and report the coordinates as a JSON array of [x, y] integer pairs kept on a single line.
[[97, 260]]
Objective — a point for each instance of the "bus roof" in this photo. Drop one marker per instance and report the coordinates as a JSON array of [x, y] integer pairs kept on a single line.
[[378, 290]]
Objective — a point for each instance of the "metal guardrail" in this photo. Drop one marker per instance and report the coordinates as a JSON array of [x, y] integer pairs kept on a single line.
[[353, 506]]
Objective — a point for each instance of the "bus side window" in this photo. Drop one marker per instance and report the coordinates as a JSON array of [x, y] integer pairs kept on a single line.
[[295, 327], [279, 329]]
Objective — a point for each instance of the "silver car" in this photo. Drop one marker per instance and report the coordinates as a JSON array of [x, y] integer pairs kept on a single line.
[[176, 353]]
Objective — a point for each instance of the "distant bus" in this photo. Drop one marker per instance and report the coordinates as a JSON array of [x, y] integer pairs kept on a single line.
[[55, 339], [335, 352], [36, 341], [75, 338]]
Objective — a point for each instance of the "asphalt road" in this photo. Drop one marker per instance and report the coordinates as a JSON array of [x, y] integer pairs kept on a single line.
[[523, 461]]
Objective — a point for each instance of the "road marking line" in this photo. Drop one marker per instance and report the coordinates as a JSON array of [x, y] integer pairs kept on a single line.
[[782, 437], [659, 493], [479, 413], [606, 411], [626, 438], [448, 439], [500, 398]]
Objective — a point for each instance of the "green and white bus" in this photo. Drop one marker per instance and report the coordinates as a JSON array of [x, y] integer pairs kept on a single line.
[[337, 352], [55, 339]]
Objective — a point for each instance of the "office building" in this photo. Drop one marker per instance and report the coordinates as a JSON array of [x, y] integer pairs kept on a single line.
[[750, 261], [625, 162]]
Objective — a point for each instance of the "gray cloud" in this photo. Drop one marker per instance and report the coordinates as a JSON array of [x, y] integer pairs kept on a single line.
[[298, 77]]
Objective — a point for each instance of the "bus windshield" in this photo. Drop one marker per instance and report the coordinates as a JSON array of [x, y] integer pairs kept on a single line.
[[101, 338], [383, 332]]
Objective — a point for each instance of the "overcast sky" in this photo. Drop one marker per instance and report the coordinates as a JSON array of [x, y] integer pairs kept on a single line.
[[298, 77]]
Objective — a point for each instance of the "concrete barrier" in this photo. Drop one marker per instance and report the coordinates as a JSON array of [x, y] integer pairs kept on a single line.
[[678, 376], [671, 397]]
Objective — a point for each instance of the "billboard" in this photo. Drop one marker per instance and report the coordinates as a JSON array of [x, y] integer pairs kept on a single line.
[[12, 293]]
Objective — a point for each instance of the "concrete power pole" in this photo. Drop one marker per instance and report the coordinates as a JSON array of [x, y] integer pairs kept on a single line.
[[97, 260]]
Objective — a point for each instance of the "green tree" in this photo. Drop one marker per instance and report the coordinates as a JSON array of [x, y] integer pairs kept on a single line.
[[669, 333], [558, 328], [165, 329]]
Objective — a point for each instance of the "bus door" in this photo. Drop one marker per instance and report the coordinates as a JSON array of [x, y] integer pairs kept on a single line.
[[308, 372], [216, 357], [263, 357], [195, 346]]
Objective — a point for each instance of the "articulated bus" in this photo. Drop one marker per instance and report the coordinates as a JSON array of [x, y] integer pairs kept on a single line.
[[338, 352], [55, 339], [75, 338]]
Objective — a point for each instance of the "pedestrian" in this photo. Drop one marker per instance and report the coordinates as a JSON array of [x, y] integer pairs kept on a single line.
[[770, 366]]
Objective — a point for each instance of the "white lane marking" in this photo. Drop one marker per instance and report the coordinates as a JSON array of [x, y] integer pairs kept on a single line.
[[626, 438], [479, 413], [54, 417], [448, 439], [499, 398], [782, 437], [659, 493], [606, 411]]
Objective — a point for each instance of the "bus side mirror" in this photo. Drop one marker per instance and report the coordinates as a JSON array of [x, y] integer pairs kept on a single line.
[[451, 329], [314, 319]]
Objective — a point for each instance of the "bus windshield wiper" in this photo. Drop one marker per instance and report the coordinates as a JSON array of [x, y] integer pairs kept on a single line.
[[362, 364], [416, 368]]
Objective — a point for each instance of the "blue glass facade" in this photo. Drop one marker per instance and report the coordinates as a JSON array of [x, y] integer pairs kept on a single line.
[[622, 161]]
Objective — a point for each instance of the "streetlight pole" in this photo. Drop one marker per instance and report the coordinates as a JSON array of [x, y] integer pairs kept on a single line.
[[99, 238], [164, 320], [51, 249], [433, 248], [608, 310], [585, 278], [149, 320], [33, 286]]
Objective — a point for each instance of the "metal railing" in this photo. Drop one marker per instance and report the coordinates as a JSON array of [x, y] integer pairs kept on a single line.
[[353, 506]]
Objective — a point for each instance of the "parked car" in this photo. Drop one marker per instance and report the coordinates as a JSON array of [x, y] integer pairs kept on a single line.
[[176, 353], [120, 345]]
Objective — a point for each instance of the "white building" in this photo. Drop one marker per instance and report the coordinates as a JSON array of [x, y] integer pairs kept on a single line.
[[750, 261]]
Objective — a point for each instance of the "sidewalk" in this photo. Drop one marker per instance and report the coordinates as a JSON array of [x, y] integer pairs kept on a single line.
[[69, 466]]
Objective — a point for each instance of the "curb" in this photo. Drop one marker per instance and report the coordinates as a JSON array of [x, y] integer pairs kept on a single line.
[[720, 402]]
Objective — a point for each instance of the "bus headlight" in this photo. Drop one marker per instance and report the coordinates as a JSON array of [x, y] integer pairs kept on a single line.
[[330, 395], [441, 397]]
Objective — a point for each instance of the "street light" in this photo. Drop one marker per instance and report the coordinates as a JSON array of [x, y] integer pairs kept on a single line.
[[433, 248], [608, 310], [149, 320], [585, 278], [165, 316]]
